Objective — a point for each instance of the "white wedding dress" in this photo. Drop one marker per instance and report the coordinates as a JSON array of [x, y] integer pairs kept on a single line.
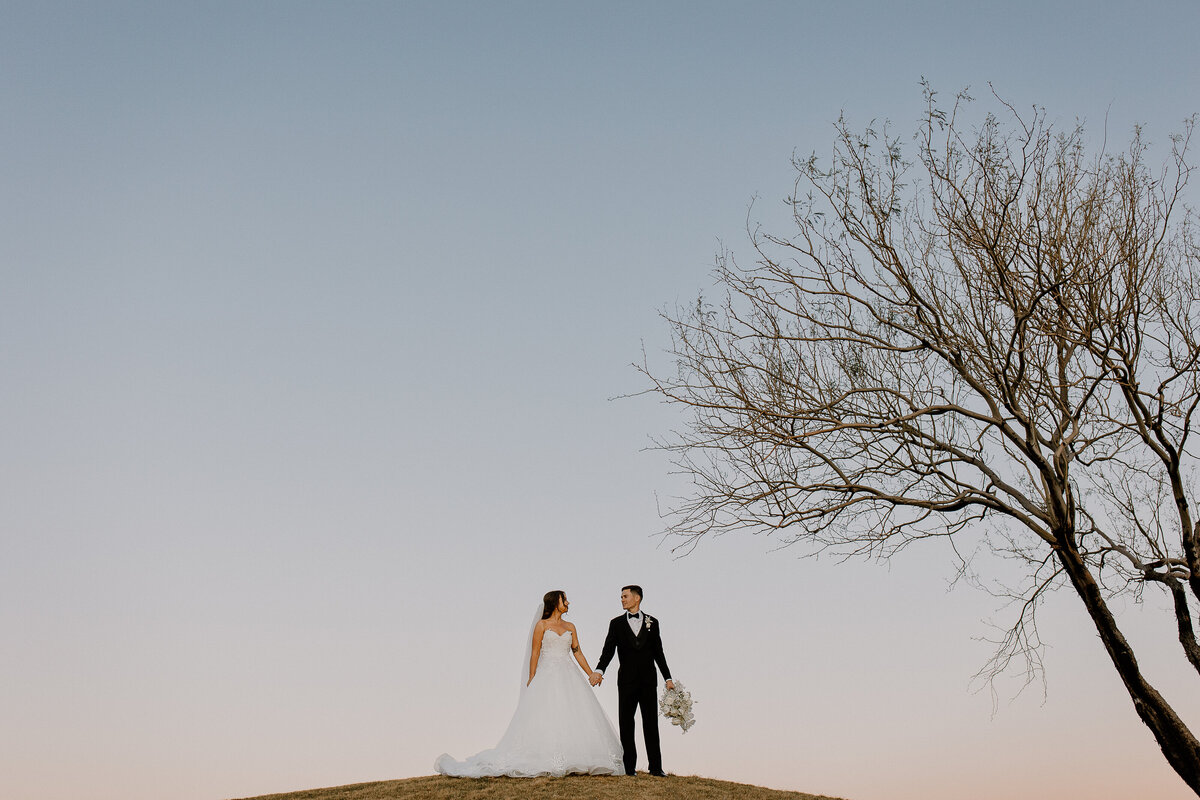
[[558, 728]]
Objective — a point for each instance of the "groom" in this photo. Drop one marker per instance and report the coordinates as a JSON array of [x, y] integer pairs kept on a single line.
[[637, 641]]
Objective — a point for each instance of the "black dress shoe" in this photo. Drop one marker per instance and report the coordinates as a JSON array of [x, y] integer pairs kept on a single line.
[[659, 774], [630, 774]]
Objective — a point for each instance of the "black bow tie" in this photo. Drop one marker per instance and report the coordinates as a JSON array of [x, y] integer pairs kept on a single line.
[[634, 616]]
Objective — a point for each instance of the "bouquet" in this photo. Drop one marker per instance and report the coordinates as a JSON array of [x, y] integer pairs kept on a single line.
[[676, 705]]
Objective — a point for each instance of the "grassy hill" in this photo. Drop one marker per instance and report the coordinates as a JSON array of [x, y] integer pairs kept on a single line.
[[572, 787]]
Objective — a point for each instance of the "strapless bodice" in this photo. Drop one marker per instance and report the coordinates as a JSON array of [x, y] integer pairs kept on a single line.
[[555, 646]]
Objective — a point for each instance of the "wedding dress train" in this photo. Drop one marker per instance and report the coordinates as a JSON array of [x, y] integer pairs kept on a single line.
[[558, 728]]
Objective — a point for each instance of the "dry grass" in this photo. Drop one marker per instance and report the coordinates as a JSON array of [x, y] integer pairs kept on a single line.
[[572, 787]]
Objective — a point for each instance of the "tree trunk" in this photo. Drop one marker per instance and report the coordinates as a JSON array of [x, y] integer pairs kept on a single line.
[[1177, 742]]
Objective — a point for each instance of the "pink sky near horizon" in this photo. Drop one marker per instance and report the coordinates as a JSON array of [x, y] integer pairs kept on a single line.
[[311, 315]]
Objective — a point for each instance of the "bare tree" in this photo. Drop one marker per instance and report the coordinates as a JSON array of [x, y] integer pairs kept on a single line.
[[998, 339]]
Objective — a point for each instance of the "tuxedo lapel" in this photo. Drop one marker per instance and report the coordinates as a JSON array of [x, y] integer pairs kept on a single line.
[[634, 640]]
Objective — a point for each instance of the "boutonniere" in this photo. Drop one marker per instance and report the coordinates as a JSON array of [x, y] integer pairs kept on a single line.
[[649, 623]]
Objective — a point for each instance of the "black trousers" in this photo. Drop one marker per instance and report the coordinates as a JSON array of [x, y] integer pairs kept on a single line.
[[629, 698]]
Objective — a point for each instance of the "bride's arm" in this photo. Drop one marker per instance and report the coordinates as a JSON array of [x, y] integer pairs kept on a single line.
[[577, 649], [538, 631]]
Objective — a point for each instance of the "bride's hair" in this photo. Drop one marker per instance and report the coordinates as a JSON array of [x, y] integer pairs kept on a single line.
[[550, 602]]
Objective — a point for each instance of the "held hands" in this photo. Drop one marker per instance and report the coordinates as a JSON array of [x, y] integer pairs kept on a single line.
[[595, 679]]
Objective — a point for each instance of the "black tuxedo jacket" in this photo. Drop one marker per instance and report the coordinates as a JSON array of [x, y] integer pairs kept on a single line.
[[638, 654]]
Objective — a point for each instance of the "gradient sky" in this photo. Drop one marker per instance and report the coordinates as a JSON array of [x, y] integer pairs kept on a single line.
[[310, 314]]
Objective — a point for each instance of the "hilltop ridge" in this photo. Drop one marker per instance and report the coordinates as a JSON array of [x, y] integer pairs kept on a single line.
[[571, 787]]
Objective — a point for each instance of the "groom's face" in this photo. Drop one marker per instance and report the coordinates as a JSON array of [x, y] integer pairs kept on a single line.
[[629, 600]]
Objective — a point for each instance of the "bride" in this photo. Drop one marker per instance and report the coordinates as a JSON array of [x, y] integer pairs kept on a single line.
[[559, 726]]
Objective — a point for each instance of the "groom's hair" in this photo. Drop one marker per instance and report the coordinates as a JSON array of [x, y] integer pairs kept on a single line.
[[633, 587]]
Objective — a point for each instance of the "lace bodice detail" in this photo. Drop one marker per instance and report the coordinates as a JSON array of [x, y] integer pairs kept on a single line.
[[556, 647]]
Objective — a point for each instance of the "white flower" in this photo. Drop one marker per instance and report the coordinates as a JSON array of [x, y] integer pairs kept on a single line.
[[676, 706]]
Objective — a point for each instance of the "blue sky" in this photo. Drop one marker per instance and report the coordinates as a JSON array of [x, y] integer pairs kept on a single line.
[[310, 317]]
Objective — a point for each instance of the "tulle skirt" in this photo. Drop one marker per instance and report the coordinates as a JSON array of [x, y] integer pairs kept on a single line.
[[558, 728]]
